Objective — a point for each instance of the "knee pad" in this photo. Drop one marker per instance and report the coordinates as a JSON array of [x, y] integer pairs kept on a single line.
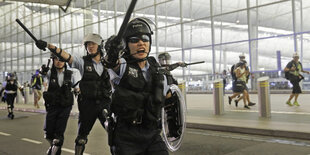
[[58, 142], [80, 140]]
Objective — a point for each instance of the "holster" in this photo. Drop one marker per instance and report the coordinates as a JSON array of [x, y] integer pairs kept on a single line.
[[49, 98], [111, 128]]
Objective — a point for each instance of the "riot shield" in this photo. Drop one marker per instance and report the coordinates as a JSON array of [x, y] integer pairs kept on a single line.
[[173, 119]]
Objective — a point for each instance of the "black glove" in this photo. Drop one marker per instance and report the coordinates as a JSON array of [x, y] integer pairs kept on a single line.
[[113, 47], [41, 44], [44, 69]]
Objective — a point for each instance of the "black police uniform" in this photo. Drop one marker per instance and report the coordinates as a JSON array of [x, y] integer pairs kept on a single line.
[[58, 103], [10, 97], [95, 96], [171, 107], [137, 104]]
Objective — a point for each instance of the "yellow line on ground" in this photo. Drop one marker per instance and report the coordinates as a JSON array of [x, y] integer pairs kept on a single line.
[[31, 141], [5, 134]]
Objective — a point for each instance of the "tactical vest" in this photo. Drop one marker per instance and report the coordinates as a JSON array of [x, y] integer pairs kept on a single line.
[[57, 95], [137, 101], [11, 87], [170, 79], [94, 86]]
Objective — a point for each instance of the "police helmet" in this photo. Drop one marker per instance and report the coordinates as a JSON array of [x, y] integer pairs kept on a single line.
[[242, 56], [295, 55], [138, 26], [164, 58], [11, 76], [96, 38], [37, 72]]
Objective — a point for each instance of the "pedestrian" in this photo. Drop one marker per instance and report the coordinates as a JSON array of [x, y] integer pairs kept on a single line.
[[224, 77], [58, 101], [240, 97], [36, 85], [10, 87], [240, 83], [95, 85], [293, 70], [139, 92]]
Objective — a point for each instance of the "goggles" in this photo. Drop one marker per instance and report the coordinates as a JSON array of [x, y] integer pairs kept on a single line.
[[144, 38]]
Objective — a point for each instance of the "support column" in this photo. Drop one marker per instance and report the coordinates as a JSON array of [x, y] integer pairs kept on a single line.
[[253, 44], [213, 41], [156, 30], [182, 36], [294, 25], [88, 18]]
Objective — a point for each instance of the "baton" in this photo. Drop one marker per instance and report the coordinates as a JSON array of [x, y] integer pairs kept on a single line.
[[48, 62], [199, 62], [126, 19], [26, 29]]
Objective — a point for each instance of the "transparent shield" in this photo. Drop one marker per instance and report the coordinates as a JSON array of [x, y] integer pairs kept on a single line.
[[174, 119]]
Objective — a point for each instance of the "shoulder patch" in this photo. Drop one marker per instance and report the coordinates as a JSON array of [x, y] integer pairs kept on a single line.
[[133, 72]]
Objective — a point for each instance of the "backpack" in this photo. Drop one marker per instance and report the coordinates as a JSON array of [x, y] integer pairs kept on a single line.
[[287, 74], [232, 73]]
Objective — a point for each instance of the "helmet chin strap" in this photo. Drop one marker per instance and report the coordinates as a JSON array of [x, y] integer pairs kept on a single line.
[[133, 59], [94, 55], [59, 67]]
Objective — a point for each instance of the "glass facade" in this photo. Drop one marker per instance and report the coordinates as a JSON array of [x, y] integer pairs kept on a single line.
[[214, 31]]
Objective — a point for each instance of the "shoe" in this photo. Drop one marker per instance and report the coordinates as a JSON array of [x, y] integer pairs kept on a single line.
[[229, 100], [251, 104], [236, 103], [247, 107], [289, 103], [296, 103]]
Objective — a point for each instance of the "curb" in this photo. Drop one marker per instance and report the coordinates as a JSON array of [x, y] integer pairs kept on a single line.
[[244, 130]]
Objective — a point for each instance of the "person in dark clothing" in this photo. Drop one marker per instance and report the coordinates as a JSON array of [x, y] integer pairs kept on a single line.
[[10, 87], [95, 85], [58, 101], [139, 92], [293, 69], [172, 107], [164, 60]]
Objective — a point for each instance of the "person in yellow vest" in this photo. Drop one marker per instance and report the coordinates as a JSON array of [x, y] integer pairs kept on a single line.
[[36, 85], [293, 68]]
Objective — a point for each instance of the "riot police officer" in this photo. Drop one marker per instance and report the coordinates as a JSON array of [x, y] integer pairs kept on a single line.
[[10, 87], [95, 85], [58, 101], [171, 105], [139, 92], [165, 60]]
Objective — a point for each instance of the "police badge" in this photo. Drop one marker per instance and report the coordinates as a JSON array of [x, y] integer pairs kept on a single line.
[[133, 72], [89, 68]]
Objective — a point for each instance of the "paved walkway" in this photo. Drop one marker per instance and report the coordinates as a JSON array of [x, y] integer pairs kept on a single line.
[[285, 121]]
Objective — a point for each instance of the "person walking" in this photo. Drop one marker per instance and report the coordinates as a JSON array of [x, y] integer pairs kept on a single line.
[[58, 101], [9, 87], [240, 83], [139, 92], [95, 85], [292, 71], [36, 85]]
